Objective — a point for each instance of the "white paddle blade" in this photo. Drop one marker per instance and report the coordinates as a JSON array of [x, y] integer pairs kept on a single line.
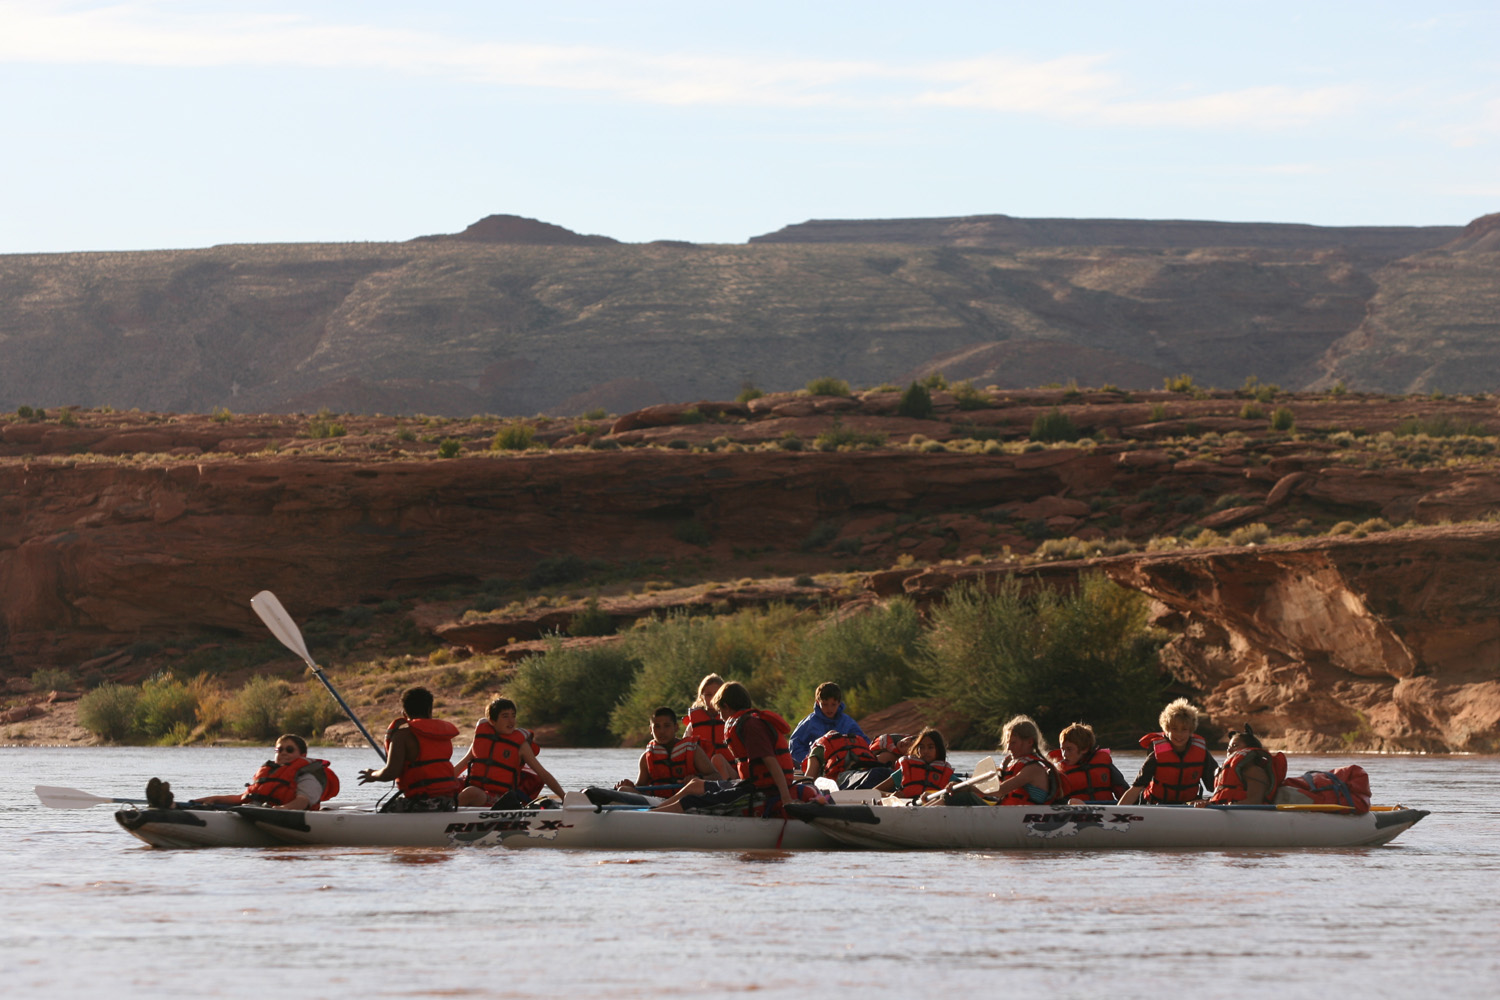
[[280, 623], [54, 797]]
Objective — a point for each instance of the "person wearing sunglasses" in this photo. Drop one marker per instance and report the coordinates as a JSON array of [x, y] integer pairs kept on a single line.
[[289, 780]]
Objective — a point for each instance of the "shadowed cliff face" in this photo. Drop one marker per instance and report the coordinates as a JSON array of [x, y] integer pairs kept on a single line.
[[1389, 643]]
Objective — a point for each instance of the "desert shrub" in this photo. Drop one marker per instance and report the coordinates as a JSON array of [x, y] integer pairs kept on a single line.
[[873, 655], [578, 689], [1282, 419], [968, 397], [67, 418], [1182, 383], [221, 415], [1056, 549], [1373, 526], [1158, 412], [932, 447], [838, 436], [310, 713], [1056, 656], [789, 442], [108, 712], [51, 679], [1252, 412], [1250, 534], [1438, 427], [165, 703], [592, 620], [828, 387], [25, 412], [255, 712], [916, 402], [324, 426], [513, 437], [449, 448], [1054, 425], [405, 433], [597, 413], [747, 393], [1339, 389]]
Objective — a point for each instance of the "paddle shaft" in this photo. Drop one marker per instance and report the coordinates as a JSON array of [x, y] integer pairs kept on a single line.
[[284, 629], [985, 769]]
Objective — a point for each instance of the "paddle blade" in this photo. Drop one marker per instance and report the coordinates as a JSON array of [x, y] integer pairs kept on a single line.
[[54, 797], [281, 625]]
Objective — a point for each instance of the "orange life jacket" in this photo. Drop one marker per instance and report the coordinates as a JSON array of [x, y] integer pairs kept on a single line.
[[889, 743], [1091, 779], [278, 784], [671, 763], [1014, 764], [497, 763], [754, 769], [705, 728], [844, 752], [1177, 775], [917, 776], [1230, 784], [431, 774]]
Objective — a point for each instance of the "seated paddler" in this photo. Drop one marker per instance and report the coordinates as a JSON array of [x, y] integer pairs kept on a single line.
[[925, 769], [846, 759], [418, 758], [290, 780], [1087, 771], [1178, 763], [494, 771], [669, 761], [1250, 775], [757, 740]]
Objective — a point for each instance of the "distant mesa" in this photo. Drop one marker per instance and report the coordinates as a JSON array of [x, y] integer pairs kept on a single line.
[[520, 231], [1481, 234], [1009, 232]]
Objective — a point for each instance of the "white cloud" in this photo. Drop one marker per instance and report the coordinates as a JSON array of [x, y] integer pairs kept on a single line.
[[1071, 87]]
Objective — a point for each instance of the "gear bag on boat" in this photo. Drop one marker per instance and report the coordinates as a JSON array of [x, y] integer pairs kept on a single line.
[[1342, 786]]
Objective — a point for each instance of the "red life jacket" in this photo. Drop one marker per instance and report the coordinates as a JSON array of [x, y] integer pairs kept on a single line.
[[497, 764], [1014, 764], [672, 763], [1092, 779], [278, 784], [705, 728], [431, 774], [844, 752], [1230, 784], [1344, 786], [889, 743], [1177, 775], [754, 769], [917, 776]]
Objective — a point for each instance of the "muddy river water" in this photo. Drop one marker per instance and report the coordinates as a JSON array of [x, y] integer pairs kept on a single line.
[[89, 911]]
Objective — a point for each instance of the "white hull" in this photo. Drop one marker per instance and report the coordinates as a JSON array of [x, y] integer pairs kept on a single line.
[[174, 828], [582, 827], [1089, 828]]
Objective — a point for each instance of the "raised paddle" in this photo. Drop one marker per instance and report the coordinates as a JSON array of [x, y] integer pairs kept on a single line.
[[73, 798], [283, 628], [983, 771]]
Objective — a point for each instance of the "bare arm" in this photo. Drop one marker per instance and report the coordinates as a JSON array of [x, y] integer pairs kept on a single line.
[[395, 761], [541, 771], [1031, 774], [702, 764]]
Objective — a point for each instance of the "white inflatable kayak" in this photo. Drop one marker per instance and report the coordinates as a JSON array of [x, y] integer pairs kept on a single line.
[[1096, 827], [577, 824]]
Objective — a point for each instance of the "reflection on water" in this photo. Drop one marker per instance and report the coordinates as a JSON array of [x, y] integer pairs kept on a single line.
[[90, 910]]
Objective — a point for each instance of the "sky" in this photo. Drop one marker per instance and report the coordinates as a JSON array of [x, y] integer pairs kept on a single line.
[[144, 125]]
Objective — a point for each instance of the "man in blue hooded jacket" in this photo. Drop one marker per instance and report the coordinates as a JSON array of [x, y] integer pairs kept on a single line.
[[828, 713]]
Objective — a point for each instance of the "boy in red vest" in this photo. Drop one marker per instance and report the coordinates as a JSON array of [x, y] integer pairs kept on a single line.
[[668, 762], [418, 758]]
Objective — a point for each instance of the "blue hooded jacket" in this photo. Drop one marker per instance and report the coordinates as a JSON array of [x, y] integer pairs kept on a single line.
[[815, 725]]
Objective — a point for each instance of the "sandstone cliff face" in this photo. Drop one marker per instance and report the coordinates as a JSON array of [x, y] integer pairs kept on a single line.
[[1385, 643]]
